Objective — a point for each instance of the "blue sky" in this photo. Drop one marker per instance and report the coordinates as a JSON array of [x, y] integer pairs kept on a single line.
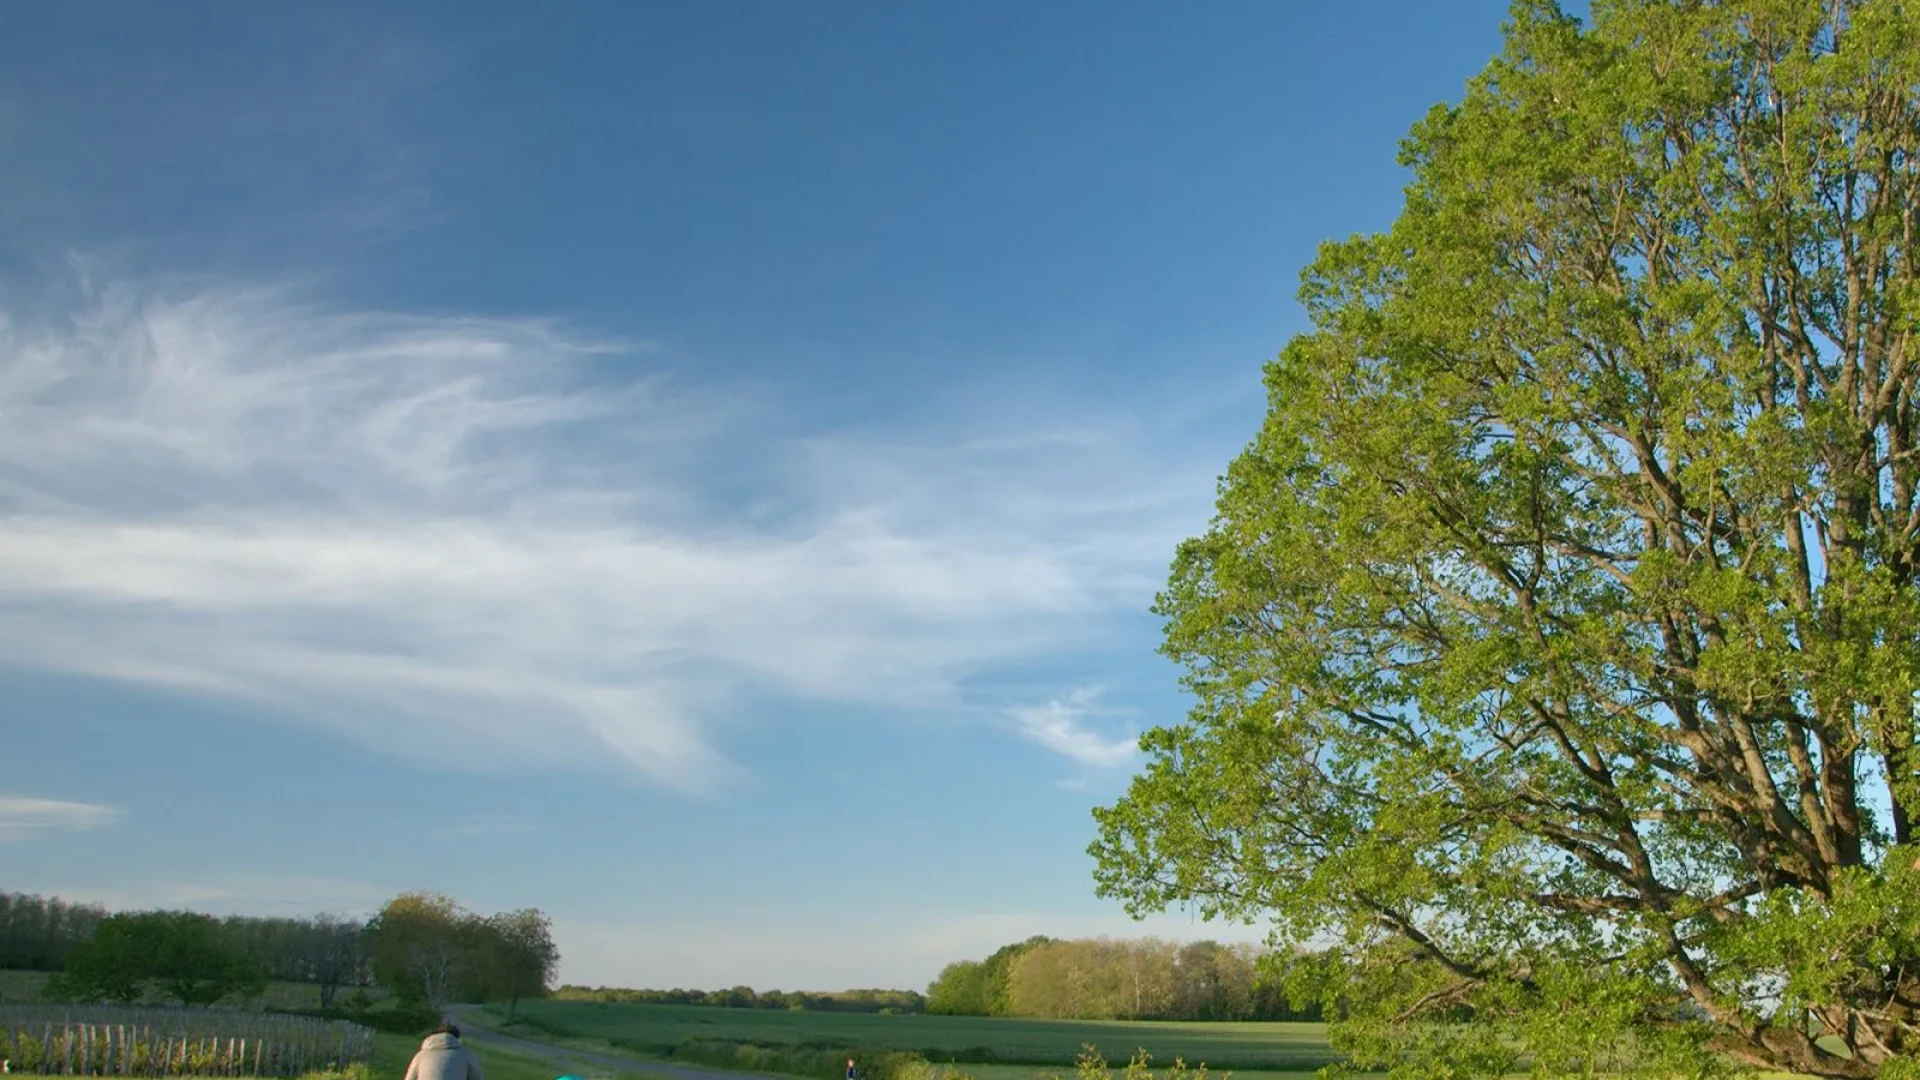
[[700, 469]]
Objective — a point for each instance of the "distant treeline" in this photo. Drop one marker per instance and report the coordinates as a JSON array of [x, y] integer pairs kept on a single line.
[[43, 934], [745, 997], [1042, 977], [37, 934], [1108, 979], [425, 949]]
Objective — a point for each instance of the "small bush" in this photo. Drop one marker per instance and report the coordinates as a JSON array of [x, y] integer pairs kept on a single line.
[[397, 1020], [1091, 1065]]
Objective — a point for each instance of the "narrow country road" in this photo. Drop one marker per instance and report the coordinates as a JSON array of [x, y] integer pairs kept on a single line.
[[474, 1033]]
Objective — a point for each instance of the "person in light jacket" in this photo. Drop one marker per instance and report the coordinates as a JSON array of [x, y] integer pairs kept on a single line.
[[441, 1057]]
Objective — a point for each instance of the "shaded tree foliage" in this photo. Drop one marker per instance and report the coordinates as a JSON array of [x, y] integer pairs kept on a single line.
[[517, 958], [508, 957], [1556, 641], [37, 933], [421, 944], [186, 956], [430, 949]]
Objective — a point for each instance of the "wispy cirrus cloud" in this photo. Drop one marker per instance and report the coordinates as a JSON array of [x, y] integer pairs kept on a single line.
[[23, 817], [477, 541], [1061, 726]]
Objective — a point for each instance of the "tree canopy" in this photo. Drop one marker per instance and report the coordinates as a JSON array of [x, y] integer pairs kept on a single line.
[[1556, 642], [518, 958], [421, 944], [429, 948], [187, 955]]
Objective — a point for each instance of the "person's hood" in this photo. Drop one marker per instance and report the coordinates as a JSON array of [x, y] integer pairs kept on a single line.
[[439, 1041]]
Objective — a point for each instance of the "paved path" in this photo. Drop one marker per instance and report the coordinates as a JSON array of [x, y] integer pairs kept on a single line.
[[474, 1033]]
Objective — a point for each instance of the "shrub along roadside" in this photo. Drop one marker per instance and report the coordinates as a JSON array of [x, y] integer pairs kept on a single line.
[[1092, 1065], [821, 1063], [358, 1071], [415, 1019], [816, 1063]]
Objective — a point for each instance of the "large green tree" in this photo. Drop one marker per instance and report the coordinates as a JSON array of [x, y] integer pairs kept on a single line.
[[959, 990], [187, 955], [422, 946], [1556, 641], [519, 958]]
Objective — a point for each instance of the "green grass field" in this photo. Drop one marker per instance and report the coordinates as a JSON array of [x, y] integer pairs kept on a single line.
[[1033, 1072], [1031, 1045]]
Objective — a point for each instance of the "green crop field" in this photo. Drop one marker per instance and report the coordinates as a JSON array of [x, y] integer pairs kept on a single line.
[[976, 1071], [657, 1029]]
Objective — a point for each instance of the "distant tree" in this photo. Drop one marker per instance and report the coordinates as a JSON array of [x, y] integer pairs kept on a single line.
[[960, 990], [186, 955], [995, 970], [525, 960], [115, 966], [37, 933], [420, 946], [331, 948], [195, 964]]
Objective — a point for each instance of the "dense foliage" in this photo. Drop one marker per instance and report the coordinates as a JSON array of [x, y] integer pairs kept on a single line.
[[1147, 979], [186, 956], [1556, 642], [979, 987], [427, 948], [40, 933], [424, 948], [1108, 979], [1041, 978], [37, 933]]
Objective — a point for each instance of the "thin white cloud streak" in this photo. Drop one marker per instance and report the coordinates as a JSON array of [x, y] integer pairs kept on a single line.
[[24, 817], [457, 540], [1061, 726]]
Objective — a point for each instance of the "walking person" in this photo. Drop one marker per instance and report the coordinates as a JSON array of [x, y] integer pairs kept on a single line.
[[441, 1057]]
